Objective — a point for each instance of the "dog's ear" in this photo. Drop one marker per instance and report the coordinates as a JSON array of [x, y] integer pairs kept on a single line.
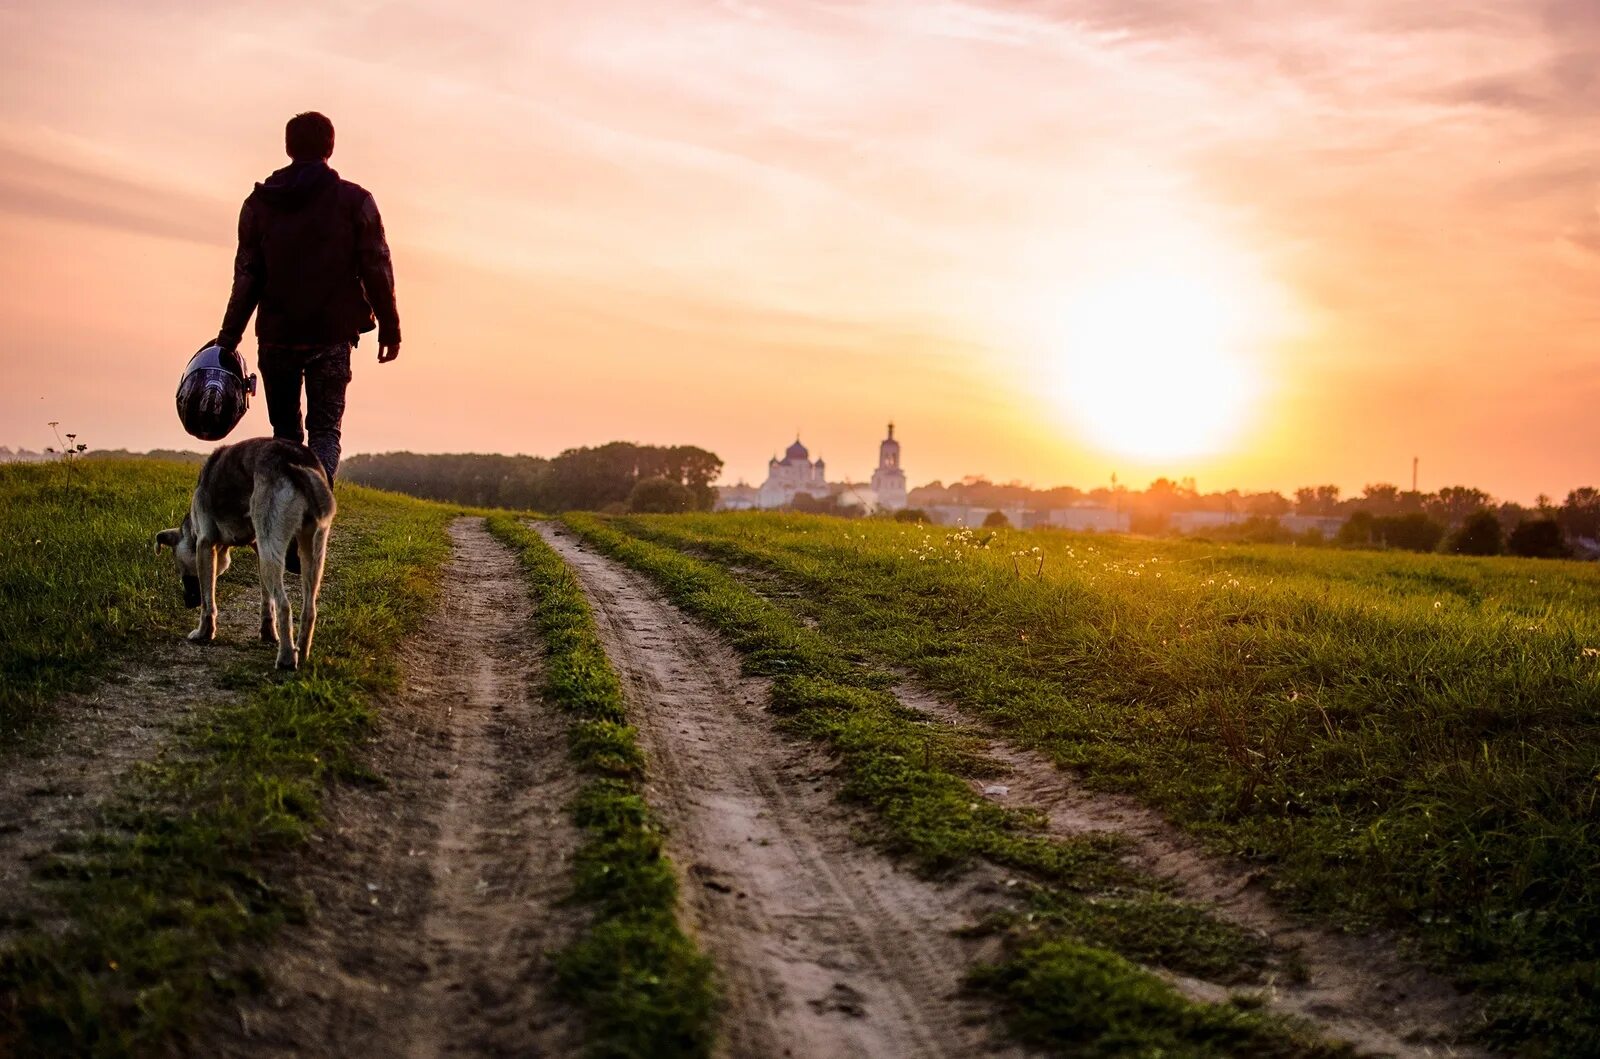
[[169, 537]]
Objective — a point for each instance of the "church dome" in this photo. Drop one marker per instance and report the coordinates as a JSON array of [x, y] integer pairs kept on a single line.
[[796, 453]]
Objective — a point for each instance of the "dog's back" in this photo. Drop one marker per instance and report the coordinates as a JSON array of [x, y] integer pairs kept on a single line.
[[232, 475]]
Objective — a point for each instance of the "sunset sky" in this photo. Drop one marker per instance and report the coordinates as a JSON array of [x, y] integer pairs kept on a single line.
[[1264, 243]]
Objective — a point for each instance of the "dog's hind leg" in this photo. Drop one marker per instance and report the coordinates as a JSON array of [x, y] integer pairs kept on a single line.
[[269, 617], [206, 569], [313, 553], [276, 597]]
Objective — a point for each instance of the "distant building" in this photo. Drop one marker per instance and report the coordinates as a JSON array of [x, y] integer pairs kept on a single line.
[[741, 497], [798, 474], [889, 480], [1326, 526], [787, 478], [1195, 521], [1091, 519]]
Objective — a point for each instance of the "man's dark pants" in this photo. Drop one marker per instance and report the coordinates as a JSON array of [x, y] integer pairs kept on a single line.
[[324, 370]]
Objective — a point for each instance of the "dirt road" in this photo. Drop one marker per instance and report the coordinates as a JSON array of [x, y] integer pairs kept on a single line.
[[824, 947], [438, 893]]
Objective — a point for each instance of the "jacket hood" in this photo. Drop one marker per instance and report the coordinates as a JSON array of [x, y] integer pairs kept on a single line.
[[296, 184]]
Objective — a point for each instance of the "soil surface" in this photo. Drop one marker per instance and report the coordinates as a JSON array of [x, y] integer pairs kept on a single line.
[[824, 946], [438, 893], [1357, 988]]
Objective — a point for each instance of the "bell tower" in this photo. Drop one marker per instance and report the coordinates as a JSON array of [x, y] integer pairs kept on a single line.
[[889, 480]]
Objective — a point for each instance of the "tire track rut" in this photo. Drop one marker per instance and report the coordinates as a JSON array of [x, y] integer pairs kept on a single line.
[[825, 948]]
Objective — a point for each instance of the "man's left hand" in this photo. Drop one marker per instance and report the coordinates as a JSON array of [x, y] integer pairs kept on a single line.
[[388, 352]]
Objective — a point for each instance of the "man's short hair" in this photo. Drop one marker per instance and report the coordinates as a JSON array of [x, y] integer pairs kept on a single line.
[[308, 137]]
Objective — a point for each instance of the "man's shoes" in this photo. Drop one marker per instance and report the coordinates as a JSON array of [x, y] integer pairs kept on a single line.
[[291, 560]]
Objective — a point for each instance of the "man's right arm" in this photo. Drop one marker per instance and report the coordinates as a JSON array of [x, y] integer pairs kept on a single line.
[[377, 278], [247, 278]]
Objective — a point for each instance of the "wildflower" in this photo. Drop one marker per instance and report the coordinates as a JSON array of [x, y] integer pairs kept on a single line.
[[1437, 604], [1591, 652]]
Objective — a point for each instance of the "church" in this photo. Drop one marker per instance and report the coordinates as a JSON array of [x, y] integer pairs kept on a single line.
[[889, 481], [798, 473]]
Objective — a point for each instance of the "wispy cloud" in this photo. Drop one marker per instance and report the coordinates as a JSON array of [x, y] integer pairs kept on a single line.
[[884, 178]]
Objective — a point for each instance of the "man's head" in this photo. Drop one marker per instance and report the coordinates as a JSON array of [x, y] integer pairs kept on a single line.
[[309, 137]]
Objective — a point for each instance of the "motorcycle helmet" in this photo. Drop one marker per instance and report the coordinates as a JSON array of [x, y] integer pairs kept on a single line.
[[214, 392]]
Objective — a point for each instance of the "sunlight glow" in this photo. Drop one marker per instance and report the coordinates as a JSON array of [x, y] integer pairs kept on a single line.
[[1156, 362]]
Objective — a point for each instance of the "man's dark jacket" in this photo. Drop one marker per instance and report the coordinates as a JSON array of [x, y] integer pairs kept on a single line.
[[312, 256]]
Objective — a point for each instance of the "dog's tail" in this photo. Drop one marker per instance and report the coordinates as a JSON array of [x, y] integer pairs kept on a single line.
[[314, 487]]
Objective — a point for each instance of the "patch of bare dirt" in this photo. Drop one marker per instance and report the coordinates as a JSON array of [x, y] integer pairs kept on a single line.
[[437, 895], [1358, 988], [824, 946], [52, 792]]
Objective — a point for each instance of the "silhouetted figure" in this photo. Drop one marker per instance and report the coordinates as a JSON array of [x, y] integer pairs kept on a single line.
[[312, 258]]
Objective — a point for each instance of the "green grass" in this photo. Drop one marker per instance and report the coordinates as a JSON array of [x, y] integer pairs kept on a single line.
[[644, 988], [77, 577], [189, 862], [1404, 741], [912, 773]]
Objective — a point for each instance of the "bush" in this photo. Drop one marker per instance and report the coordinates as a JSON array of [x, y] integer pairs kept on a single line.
[[911, 514], [996, 520], [1479, 535], [1413, 533], [660, 496], [1538, 538], [1360, 530]]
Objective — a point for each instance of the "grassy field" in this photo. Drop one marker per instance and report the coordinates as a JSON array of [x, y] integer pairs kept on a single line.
[[1402, 741], [63, 606], [182, 868]]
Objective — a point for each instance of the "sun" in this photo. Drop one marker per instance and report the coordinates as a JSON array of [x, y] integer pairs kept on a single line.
[[1155, 363]]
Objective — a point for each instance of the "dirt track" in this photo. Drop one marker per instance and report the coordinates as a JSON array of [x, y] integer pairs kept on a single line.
[[825, 948], [438, 895]]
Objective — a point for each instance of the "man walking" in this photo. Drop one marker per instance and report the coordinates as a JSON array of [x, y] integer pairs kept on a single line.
[[313, 260]]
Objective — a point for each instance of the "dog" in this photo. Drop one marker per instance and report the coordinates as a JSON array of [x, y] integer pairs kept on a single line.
[[270, 493]]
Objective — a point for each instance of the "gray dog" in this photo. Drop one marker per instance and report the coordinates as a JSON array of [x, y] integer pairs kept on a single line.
[[270, 493]]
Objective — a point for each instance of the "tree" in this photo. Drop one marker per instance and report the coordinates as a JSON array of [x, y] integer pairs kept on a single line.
[[996, 520], [660, 496], [1381, 499], [1267, 505], [1317, 500], [1454, 504], [1479, 534], [1538, 538], [1580, 515]]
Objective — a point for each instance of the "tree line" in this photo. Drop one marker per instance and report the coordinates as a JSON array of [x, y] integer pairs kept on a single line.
[[1455, 518], [617, 476]]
